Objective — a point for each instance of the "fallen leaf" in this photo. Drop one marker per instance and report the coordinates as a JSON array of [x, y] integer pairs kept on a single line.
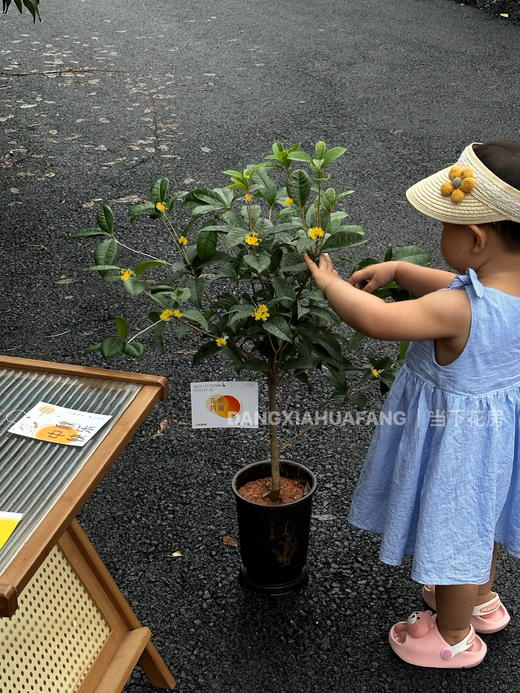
[[230, 541], [324, 517], [176, 554], [181, 423], [129, 198], [28, 105], [64, 281], [504, 14], [91, 203], [162, 428]]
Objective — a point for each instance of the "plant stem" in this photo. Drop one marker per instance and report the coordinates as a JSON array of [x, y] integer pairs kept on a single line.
[[272, 379]]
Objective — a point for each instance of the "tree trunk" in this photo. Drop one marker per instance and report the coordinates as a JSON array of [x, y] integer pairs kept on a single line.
[[272, 381]]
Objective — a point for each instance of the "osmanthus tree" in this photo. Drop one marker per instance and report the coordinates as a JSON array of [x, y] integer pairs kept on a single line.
[[31, 5], [234, 275]]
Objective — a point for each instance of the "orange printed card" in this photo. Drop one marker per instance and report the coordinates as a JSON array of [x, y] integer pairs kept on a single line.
[[8, 522], [59, 424]]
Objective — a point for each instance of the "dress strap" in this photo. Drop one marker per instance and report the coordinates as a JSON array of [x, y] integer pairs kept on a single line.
[[470, 277]]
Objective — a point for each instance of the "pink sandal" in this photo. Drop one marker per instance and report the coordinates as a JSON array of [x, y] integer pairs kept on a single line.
[[419, 642], [491, 624]]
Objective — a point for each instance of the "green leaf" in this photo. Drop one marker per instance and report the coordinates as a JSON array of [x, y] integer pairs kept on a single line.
[[234, 236], [412, 253], [299, 156], [255, 365], [103, 268], [140, 209], [356, 340], [302, 310], [324, 313], [134, 349], [106, 252], [111, 346], [299, 186], [388, 254], [142, 266], [93, 347], [333, 154], [239, 312], [268, 187], [403, 348], [320, 149], [283, 288], [197, 317], [181, 294], [83, 233], [293, 264], [121, 326], [158, 335], [258, 262], [196, 287], [134, 286], [232, 353], [105, 219], [279, 327], [207, 243], [159, 190], [207, 349], [345, 236]]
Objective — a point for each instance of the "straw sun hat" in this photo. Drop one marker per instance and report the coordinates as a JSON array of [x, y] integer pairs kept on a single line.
[[466, 193]]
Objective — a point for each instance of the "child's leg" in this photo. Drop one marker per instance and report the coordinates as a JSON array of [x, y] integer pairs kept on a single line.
[[484, 591], [455, 604], [454, 610]]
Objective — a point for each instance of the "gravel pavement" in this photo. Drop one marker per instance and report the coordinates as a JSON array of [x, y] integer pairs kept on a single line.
[[118, 94]]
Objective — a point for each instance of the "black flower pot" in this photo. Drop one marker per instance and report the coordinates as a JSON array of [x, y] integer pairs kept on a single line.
[[274, 538]]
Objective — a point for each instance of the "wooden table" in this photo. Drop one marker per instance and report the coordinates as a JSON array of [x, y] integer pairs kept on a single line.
[[66, 626]]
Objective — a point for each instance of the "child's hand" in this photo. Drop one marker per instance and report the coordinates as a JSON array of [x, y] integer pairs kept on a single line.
[[324, 273], [376, 275]]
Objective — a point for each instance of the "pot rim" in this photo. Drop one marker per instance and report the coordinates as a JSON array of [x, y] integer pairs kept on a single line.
[[312, 478]]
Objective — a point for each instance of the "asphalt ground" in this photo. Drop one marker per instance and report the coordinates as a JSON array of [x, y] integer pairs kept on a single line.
[[121, 94]]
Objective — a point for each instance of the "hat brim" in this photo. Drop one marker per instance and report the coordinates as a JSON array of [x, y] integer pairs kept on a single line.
[[426, 197]]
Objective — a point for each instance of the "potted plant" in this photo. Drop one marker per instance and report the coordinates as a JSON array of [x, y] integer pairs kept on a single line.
[[236, 277]]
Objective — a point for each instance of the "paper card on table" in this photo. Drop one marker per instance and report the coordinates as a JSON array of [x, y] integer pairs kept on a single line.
[[59, 424], [8, 522], [224, 404]]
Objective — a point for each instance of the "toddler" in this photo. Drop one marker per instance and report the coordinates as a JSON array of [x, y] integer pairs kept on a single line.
[[444, 485]]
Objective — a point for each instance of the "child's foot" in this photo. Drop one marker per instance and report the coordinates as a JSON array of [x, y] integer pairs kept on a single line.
[[418, 641]]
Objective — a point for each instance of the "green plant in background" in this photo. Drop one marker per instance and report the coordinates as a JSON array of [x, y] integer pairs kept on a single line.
[[236, 276], [31, 5]]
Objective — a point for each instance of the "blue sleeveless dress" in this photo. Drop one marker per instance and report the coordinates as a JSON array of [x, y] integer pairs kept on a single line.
[[441, 479]]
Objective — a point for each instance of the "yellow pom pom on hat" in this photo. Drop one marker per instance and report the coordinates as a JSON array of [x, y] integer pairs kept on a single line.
[[466, 192]]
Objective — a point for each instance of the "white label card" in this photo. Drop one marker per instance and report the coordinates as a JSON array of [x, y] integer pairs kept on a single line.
[[59, 424], [224, 404]]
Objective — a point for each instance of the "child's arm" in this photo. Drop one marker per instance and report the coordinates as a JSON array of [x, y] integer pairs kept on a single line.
[[434, 315], [414, 278]]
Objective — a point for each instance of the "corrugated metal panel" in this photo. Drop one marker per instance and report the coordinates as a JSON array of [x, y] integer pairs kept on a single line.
[[34, 473]]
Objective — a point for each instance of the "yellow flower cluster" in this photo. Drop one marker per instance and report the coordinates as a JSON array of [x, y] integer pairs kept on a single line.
[[252, 238], [169, 313], [316, 232], [221, 341], [183, 240], [248, 197], [460, 184], [288, 202], [262, 313], [160, 207], [126, 274], [375, 373]]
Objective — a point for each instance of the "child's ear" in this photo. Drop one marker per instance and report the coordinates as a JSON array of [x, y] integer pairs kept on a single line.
[[480, 235]]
